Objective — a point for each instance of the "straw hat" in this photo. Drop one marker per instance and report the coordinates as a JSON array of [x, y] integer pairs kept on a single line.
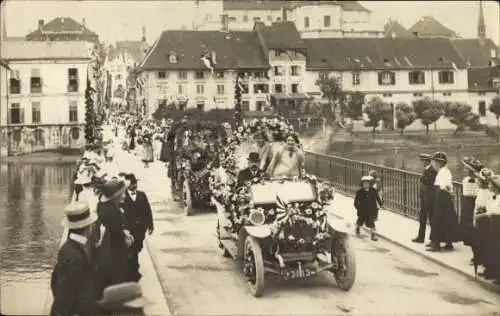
[[112, 190], [472, 164], [78, 215], [127, 294], [485, 174]]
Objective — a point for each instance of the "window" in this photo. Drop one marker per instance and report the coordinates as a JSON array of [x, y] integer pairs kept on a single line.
[[245, 105], [220, 89], [446, 94], [172, 58], [260, 105], [387, 95], [327, 21], [278, 88], [15, 86], [118, 77], [16, 114], [417, 94], [73, 112], [208, 17], [35, 112], [277, 53], [446, 77], [180, 89], [482, 108], [72, 80], [245, 18], [245, 89], [386, 78], [269, 18], [200, 89], [232, 18], [38, 135], [279, 71], [182, 75], [496, 83], [219, 75], [260, 75], [355, 79], [295, 88], [162, 75], [306, 22], [295, 70], [200, 105], [75, 133], [199, 75], [261, 88], [35, 81], [416, 77]]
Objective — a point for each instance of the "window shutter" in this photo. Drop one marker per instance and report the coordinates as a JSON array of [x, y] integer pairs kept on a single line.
[[393, 78], [9, 116], [410, 77], [452, 79], [380, 78], [21, 115], [422, 77]]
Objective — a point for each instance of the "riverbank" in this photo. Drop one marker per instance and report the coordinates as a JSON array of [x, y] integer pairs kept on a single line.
[[65, 156]]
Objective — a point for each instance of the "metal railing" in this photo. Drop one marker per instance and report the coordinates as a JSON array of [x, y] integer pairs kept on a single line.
[[399, 188]]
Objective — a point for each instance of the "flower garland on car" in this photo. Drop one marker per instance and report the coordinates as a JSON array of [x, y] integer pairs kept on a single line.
[[294, 225]]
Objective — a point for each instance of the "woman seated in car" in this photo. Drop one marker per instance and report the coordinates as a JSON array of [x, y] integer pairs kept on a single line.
[[289, 160]]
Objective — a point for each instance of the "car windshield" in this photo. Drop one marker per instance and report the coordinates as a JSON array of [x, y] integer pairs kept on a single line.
[[290, 191]]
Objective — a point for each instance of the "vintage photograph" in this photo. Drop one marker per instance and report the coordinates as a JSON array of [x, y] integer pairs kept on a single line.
[[249, 157]]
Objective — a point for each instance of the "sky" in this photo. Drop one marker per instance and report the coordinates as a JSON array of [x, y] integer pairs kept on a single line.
[[123, 20]]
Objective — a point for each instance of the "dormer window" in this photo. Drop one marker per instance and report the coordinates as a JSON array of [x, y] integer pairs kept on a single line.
[[172, 58], [496, 83], [386, 78]]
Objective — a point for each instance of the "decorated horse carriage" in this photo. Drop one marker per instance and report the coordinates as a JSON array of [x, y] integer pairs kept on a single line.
[[279, 226], [196, 153]]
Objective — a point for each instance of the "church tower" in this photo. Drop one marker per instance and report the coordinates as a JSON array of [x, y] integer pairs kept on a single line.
[[481, 26]]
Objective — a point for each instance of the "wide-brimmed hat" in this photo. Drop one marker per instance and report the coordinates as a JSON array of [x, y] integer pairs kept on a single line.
[[127, 294], [78, 215], [131, 177], [440, 156], [425, 157], [112, 190], [485, 174], [366, 179], [472, 164], [253, 157]]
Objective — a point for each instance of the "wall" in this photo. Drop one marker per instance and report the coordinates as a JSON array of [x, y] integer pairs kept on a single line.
[[474, 98], [316, 16], [4, 86], [265, 16], [287, 61], [55, 98]]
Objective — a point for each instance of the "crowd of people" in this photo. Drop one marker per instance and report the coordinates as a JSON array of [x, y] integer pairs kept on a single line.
[[97, 268]]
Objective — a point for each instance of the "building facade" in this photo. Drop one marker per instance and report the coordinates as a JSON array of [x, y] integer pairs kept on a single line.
[[4, 86], [45, 106], [62, 29]]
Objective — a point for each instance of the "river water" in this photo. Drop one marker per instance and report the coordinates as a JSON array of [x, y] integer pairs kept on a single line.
[[32, 201]]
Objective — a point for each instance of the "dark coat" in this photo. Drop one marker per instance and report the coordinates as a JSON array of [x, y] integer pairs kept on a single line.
[[445, 220], [246, 175], [139, 217], [367, 202], [113, 263], [73, 283], [427, 189]]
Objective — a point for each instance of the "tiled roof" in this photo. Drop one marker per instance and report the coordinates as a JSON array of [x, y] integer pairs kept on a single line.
[[381, 53], [36, 50], [428, 26], [481, 79], [134, 48], [233, 50], [474, 53], [62, 25], [393, 26], [280, 35], [274, 5]]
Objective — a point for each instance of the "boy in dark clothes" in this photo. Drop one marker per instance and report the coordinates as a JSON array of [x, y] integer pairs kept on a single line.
[[367, 202]]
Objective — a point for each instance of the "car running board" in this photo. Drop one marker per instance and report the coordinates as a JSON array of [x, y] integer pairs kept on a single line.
[[231, 247]]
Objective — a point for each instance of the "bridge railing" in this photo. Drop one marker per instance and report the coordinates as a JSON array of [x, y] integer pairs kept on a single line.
[[399, 188]]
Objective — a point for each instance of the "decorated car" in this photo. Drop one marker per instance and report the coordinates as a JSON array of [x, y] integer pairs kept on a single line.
[[197, 147], [279, 226]]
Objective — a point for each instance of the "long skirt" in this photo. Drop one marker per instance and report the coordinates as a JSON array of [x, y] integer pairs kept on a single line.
[[147, 152], [487, 248], [445, 220], [131, 145], [467, 219], [164, 152]]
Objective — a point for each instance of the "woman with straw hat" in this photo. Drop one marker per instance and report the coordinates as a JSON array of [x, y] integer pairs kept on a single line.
[[468, 200], [113, 264], [444, 227]]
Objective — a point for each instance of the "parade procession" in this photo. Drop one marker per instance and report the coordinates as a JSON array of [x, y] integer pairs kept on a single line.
[[240, 157]]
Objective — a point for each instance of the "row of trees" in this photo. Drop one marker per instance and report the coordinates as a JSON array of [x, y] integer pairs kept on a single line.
[[426, 110]]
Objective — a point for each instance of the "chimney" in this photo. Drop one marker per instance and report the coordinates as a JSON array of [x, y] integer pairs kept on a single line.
[[84, 22], [225, 23], [62, 24], [415, 34], [41, 23]]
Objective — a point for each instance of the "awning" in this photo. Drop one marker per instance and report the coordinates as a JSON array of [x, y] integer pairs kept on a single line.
[[291, 96]]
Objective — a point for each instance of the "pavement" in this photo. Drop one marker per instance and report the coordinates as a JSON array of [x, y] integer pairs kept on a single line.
[[391, 280]]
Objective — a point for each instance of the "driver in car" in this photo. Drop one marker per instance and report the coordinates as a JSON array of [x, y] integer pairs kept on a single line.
[[250, 172]]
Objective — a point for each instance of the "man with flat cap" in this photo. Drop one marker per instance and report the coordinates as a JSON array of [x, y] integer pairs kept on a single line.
[[426, 196]]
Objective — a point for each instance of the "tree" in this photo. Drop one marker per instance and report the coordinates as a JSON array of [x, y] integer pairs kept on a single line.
[[331, 88], [460, 114], [354, 108], [90, 114], [377, 110], [428, 111], [405, 116], [495, 108]]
